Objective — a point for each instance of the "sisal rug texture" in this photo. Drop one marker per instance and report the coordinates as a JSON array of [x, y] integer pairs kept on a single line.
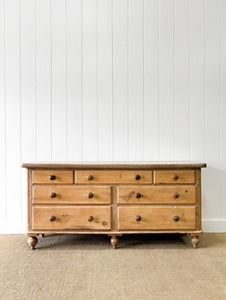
[[86, 267]]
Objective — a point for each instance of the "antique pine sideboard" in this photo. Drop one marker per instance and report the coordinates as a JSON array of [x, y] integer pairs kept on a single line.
[[114, 199]]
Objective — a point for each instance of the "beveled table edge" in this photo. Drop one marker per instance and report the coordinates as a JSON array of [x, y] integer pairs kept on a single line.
[[117, 165]]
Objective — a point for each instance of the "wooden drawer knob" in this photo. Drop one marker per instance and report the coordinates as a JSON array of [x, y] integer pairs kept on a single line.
[[176, 218], [90, 218], [137, 177], [175, 195], [52, 177], [90, 195], [138, 195], [175, 177], [52, 195], [138, 218], [52, 218], [90, 177]]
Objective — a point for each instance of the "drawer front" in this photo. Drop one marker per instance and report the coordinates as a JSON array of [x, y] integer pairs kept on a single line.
[[156, 218], [114, 176], [155, 194], [56, 194], [52, 176], [71, 218], [174, 176]]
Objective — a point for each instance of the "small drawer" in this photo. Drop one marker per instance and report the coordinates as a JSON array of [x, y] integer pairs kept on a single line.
[[113, 176], [71, 218], [52, 176], [71, 194], [156, 218], [156, 194], [174, 176]]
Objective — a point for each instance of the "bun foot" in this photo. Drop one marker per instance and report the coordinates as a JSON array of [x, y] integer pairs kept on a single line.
[[114, 241], [32, 242], [194, 241]]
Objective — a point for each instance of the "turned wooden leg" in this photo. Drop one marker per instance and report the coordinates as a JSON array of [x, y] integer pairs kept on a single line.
[[194, 240], [32, 242], [114, 241]]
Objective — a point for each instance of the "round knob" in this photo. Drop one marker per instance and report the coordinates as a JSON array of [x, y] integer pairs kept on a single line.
[[52, 177], [90, 195], [175, 177], [176, 218], [90, 177], [175, 195], [137, 177], [90, 218], [52, 218], [138, 218], [138, 195], [52, 195]]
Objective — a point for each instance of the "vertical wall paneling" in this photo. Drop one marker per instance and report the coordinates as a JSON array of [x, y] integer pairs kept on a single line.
[[166, 80], [151, 80], [2, 113], [196, 79], [90, 83], [181, 77], [74, 79], [104, 61], [222, 74], [212, 102], [120, 80], [13, 113], [28, 96], [28, 89], [59, 84], [135, 78], [43, 80]]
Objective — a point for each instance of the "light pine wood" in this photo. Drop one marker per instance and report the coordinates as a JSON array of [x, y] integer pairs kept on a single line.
[[126, 165], [64, 205], [114, 241], [135, 194], [43, 176], [156, 217], [71, 217], [113, 176], [174, 176], [32, 242], [71, 194], [194, 240]]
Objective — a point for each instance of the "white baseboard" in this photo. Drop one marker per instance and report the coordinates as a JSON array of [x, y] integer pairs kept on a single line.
[[214, 225], [18, 227], [14, 227]]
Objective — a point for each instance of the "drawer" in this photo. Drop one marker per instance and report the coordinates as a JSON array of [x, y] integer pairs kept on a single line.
[[156, 194], [52, 176], [174, 176], [71, 218], [156, 218], [55, 194], [113, 176]]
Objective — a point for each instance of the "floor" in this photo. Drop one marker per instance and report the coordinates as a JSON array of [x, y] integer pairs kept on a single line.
[[86, 267]]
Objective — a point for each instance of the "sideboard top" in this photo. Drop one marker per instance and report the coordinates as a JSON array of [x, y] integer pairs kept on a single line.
[[117, 165]]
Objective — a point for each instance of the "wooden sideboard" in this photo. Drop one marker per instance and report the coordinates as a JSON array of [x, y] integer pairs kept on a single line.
[[114, 199]]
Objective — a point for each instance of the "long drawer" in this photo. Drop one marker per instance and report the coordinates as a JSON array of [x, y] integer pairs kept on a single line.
[[71, 218], [156, 218], [71, 194], [113, 176], [135, 194]]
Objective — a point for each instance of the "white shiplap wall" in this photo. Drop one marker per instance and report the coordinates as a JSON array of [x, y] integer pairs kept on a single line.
[[90, 80]]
